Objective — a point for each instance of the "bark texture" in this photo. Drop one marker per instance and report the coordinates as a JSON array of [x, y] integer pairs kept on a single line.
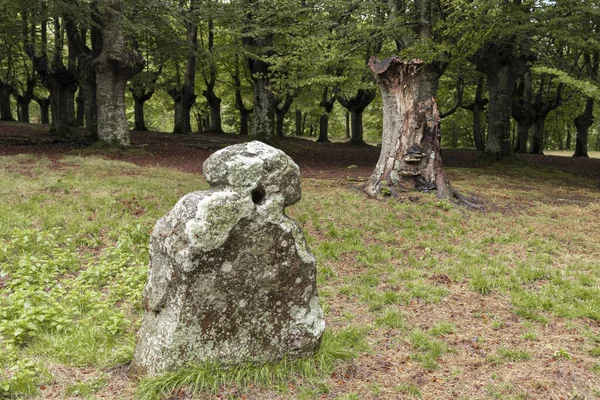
[[114, 66], [410, 151], [502, 66]]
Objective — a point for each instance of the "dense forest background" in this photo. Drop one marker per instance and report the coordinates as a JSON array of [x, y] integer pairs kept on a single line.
[[508, 76]]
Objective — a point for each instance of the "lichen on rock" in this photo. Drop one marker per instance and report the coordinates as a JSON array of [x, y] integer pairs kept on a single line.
[[231, 277]]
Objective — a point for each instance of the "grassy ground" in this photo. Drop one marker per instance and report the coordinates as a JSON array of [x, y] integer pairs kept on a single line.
[[422, 299]]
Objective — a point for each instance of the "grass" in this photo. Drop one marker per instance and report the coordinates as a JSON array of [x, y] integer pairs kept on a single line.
[[413, 291]]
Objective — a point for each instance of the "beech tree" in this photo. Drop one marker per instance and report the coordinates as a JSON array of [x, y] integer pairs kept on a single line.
[[114, 66], [58, 77], [410, 149], [183, 90]]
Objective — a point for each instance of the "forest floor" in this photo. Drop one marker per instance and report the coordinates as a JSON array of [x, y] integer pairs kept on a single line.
[[186, 153], [422, 298]]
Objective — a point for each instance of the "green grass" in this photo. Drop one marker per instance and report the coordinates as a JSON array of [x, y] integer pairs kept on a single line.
[[210, 377], [525, 272]]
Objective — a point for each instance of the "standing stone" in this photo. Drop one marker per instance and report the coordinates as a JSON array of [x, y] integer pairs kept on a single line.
[[231, 278]]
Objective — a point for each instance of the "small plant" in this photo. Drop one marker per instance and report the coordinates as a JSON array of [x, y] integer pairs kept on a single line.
[[562, 354], [409, 389], [595, 352], [504, 355], [429, 349], [442, 328], [391, 319]]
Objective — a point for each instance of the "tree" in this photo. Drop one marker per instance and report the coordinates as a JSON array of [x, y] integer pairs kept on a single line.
[[327, 102], [477, 107], [183, 92], [410, 150], [59, 79], [210, 79], [239, 99], [584, 120], [114, 66]]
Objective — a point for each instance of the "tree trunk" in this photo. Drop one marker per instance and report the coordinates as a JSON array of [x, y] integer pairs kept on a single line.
[[500, 86], [569, 138], [348, 125], [523, 127], [5, 109], [114, 66], [281, 112], [327, 103], [215, 114], [502, 67], [80, 117], [323, 128], [139, 120], [184, 96], [583, 123], [298, 122], [537, 134], [44, 104], [244, 119], [410, 151], [62, 85], [263, 111], [183, 100], [356, 127], [356, 105]]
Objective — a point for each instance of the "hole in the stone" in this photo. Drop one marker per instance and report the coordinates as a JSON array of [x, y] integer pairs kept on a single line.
[[258, 195]]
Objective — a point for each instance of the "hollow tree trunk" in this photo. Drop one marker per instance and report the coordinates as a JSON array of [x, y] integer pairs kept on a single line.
[[583, 123], [410, 151], [114, 66], [5, 110]]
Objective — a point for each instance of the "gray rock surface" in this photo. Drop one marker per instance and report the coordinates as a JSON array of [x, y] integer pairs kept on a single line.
[[231, 278]]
